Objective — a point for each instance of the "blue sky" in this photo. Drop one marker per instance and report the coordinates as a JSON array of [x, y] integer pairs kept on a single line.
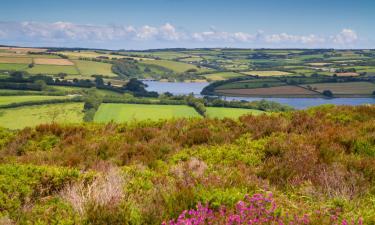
[[141, 24]]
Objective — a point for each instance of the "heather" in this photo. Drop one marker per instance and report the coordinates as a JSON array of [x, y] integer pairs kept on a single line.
[[318, 164]]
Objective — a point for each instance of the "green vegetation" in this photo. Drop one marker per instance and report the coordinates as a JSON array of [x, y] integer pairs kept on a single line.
[[6, 100], [219, 112], [222, 75], [52, 69], [129, 112], [318, 165], [94, 68], [29, 116], [12, 66], [177, 67]]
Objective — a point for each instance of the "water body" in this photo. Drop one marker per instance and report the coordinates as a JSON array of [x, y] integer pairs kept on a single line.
[[181, 88]]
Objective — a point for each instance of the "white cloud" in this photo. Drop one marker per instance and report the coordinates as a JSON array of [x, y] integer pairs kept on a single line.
[[346, 36], [284, 37], [65, 32]]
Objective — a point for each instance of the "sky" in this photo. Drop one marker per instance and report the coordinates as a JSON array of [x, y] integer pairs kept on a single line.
[[141, 24]]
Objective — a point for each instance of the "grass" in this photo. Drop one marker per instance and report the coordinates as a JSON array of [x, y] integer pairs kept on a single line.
[[177, 67], [222, 75], [267, 73], [52, 69], [93, 68], [256, 83], [30, 116], [281, 91], [79, 90], [5, 100], [12, 66], [347, 88], [218, 112], [128, 112]]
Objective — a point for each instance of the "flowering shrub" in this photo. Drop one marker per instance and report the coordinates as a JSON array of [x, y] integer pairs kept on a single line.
[[258, 209]]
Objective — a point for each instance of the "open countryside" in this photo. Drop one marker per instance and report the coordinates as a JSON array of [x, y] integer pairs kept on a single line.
[[187, 112]]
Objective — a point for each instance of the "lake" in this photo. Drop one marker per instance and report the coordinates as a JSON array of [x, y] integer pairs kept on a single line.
[[181, 88]]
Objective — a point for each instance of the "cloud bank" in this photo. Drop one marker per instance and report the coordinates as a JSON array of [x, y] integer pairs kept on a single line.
[[65, 33]]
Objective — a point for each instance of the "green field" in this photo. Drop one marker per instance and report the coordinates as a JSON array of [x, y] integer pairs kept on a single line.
[[218, 112], [177, 67], [52, 69], [128, 112], [5, 100], [79, 90], [12, 66], [94, 68], [255, 83], [29, 116]]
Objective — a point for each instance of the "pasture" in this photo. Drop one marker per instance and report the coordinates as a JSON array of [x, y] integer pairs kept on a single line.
[[284, 91], [222, 75], [177, 67], [347, 88], [13, 66], [129, 112], [30, 116], [234, 113], [91, 68], [52, 69], [6, 100]]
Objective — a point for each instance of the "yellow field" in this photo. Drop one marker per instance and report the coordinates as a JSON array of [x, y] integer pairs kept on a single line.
[[46, 61], [267, 73], [22, 50], [15, 60]]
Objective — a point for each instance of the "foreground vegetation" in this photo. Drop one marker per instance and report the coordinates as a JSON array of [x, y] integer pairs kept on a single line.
[[318, 164]]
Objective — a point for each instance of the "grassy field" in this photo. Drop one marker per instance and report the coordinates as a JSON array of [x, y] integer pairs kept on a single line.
[[79, 90], [5, 100], [177, 67], [267, 73], [284, 91], [218, 112], [360, 88], [92, 68], [52, 69], [255, 83], [129, 112], [222, 75], [29, 116], [12, 66]]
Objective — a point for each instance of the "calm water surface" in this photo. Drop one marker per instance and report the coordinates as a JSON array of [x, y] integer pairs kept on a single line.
[[180, 88]]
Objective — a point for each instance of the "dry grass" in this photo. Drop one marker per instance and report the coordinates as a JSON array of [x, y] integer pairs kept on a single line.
[[60, 62], [15, 60], [267, 73], [105, 190], [22, 50]]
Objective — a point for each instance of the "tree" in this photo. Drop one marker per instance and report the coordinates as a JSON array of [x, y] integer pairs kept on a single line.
[[17, 75], [327, 93], [373, 93], [99, 81], [62, 75], [42, 84]]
